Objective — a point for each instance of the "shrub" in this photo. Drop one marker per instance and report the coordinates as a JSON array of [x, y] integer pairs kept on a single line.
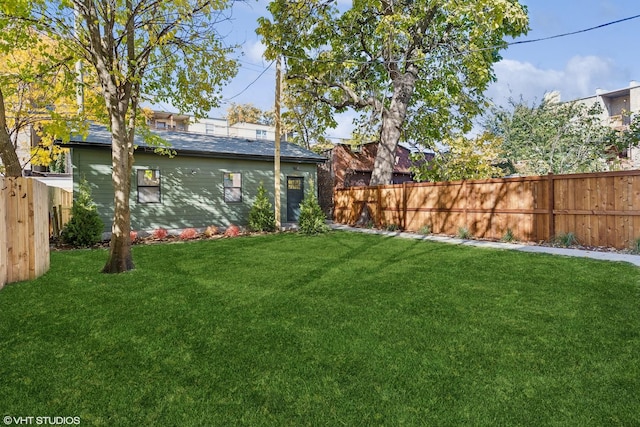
[[464, 233], [188, 234], [392, 227], [508, 236], [232, 231], [425, 229], [159, 233], [635, 246], [261, 215], [133, 235], [211, 231], [565, 239], [85, 227], [312, 219]]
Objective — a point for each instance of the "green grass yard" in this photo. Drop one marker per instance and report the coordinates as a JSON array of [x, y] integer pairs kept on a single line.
[[339, 329]]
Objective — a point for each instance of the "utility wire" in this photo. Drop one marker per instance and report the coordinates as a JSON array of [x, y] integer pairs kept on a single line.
[[355, 62], [574, 32], [250, 84]]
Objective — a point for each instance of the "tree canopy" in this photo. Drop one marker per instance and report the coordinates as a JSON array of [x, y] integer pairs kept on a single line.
[[37, 90], [165, 50], [415, 69], [555, 137]]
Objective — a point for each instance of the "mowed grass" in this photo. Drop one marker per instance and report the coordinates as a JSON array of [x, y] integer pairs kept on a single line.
[[339, 329]]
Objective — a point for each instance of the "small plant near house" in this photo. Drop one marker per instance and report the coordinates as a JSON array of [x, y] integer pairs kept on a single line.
[[85, 227], [508, 236], [261, 215], [312, 220], [392, 227], [425, 230], [211, 231], [635, 246], [188, 234], [565, 240], [160, 233], [232, 231], [133, 235], [464, 233]]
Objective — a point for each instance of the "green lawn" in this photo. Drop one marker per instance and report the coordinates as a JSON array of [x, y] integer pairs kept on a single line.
[[339, 329]]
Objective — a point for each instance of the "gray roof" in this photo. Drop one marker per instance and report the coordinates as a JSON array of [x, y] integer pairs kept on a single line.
[[194, 144]]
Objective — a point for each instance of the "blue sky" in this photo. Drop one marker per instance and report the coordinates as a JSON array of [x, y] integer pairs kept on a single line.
[[575, 65]]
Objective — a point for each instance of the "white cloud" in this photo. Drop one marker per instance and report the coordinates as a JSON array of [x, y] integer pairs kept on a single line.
[[254, 52], [580, 78]]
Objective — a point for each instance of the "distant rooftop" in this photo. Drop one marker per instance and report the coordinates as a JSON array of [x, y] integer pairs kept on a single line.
[[194, 144]]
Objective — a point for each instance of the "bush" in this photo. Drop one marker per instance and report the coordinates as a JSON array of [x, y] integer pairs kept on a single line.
[[464, 233], [261, 215], [188, 234], [392, 227], [508, 236], [85, 227], [425, 229], [635, 246], [211, 231], [159, 233], [232, 231], [312, 219], [566, 240], [133, 235]]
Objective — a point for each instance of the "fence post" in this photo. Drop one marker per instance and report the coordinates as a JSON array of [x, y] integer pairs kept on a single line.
[[379, 205], [552, 202], [404, 205]]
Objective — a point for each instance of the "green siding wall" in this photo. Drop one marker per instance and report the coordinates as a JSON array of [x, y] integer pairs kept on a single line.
[[191, 188]]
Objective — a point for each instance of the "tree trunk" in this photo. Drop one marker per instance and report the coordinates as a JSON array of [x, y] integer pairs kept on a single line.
[[392, 119], [8, 153], [120, 258]]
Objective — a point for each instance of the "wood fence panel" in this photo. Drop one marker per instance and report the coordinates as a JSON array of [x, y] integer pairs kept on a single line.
[[26, 229], [39, 260], [60, 204], [4, 265]]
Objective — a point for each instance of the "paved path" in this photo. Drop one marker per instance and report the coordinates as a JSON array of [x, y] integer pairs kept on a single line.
[[606, 256]]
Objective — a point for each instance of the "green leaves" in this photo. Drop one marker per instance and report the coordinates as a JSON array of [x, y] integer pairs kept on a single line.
[[554, 137], [359, 57]]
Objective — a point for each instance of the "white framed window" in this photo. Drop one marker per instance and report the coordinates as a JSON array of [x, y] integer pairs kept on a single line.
[[232, 183], [261, 134], [148, 181]]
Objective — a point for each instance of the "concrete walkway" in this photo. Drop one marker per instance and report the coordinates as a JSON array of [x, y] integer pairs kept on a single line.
[[605, 256]]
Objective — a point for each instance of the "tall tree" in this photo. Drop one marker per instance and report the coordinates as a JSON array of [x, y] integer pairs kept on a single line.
[[555, 137], [36, 90], [418, 67], [169, 50]]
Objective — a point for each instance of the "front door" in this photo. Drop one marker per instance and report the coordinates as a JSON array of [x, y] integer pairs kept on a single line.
[[295, 194]]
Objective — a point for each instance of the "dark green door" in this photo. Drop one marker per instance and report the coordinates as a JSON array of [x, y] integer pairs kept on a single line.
[[295, 194]]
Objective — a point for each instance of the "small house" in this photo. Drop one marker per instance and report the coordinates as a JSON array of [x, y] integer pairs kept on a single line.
[[211, 180]]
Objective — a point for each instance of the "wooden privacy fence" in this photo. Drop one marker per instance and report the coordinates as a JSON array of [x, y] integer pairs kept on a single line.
[[601, 209], [24, 229], [60, 203]]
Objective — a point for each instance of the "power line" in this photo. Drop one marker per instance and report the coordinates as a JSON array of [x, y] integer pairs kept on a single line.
[[250, 84], [355, 62], [575, 32]]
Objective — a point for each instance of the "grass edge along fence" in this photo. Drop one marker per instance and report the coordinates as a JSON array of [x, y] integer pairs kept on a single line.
[[24, 229], [601, 209]]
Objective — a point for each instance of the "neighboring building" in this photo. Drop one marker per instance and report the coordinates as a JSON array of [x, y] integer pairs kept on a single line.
[[618, 107], [212, 180], [162, 120], [351, 166]]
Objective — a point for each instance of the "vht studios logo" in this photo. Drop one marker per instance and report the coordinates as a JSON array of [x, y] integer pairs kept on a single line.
[[47, 421]]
